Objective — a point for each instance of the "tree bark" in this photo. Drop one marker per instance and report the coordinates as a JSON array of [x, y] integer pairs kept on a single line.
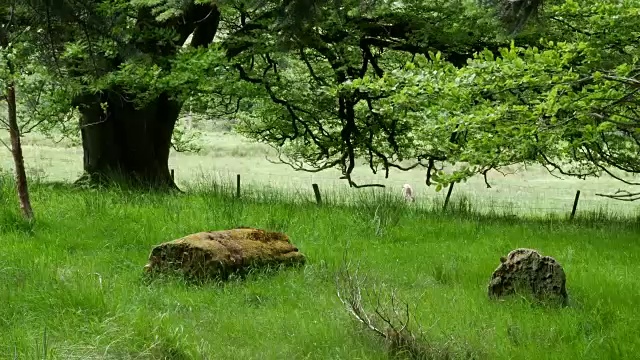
[[22, 186], [18, 159], [124, 144]]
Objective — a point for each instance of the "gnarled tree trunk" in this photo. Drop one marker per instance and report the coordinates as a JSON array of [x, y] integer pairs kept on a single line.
[[126, 144], [130, 145]]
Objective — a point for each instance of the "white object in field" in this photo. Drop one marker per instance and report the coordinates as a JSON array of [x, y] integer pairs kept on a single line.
[[407, 193]]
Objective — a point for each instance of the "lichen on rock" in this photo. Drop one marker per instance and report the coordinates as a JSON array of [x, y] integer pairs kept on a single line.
[[526, 270], [218, 254]]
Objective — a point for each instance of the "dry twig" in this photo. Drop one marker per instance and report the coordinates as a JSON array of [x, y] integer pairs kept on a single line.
[[390, 323]]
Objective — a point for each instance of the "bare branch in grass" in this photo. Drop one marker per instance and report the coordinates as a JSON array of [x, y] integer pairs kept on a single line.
[[388, 321]]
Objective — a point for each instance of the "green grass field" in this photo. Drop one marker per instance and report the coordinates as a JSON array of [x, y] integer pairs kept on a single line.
[[71, 285]]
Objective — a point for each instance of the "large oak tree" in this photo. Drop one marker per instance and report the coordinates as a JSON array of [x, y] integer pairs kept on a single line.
[[333, 83], [396, 88], [125, 64], [112, 54]]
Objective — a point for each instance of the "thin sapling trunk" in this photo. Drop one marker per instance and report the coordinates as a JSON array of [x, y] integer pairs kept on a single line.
[[18, 159], [14, 134]]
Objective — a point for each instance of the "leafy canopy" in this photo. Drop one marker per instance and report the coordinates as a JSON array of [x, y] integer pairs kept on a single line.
[[384, 84]]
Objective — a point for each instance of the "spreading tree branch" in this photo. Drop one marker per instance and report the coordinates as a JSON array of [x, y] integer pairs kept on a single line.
[[622, 195]]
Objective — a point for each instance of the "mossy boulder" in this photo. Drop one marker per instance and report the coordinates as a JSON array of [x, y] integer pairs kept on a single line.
[[218, 254], [527, 271]]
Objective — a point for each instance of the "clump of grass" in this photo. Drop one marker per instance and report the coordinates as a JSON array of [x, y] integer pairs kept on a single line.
[[11, 219]]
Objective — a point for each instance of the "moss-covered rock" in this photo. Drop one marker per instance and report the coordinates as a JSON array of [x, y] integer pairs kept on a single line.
[[218, 254], [525, 270]]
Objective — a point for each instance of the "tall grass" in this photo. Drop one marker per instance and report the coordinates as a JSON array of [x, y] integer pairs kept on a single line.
[[71, 285]]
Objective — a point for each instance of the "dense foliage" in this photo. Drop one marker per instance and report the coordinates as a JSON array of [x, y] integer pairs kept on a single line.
[[567, 101], [383, 84]]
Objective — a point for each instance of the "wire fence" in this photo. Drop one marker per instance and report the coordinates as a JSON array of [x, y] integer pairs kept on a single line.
[[508, 196], [533, 192]]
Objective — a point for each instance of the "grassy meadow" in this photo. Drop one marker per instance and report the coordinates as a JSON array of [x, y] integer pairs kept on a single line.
[[71, 284]]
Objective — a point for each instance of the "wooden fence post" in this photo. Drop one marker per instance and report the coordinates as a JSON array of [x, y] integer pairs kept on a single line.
[[575, 205], [446, 200], [316, 192], [238, 186]]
